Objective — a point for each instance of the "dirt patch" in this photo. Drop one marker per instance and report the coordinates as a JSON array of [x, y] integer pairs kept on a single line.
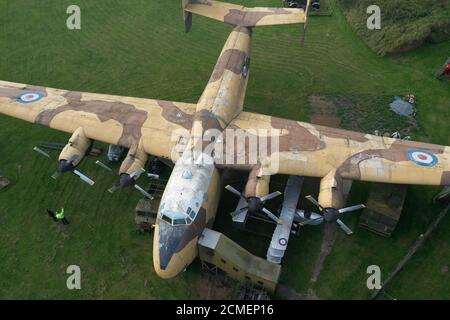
[[362, 113], [324, 112], [327, 244], [290, 294], [445, 270], [215, 287]]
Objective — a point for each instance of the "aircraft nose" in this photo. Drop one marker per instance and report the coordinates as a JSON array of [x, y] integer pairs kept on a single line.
[[166, 261], [173, 268]]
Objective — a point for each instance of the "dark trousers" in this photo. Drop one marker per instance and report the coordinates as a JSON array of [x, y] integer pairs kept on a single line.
[[52, 214]]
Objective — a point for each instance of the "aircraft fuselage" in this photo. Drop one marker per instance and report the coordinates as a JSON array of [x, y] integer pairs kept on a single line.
[[190, 200]]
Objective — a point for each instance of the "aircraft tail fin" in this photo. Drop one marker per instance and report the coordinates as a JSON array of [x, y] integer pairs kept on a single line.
[[241, 16]]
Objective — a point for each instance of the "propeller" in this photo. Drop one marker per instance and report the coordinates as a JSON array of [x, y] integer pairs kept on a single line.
[[332, 215], [255, 204], [65, 166], [127, 180]]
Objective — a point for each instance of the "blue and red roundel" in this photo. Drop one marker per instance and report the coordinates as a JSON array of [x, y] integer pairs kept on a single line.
[[422, 158], [29, 97]]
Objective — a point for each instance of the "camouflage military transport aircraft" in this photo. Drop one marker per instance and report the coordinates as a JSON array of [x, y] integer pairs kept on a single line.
[[153, 127]]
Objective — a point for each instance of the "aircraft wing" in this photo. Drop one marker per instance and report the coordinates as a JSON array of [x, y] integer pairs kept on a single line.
[[298, 148], [238, 15], [107, 118], [293, 148]]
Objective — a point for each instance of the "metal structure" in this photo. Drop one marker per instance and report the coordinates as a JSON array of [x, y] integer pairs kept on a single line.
[[4, 183], [115, 152], [443, 196], [219, 251], [280, 238], [384, 207], [146, 211]]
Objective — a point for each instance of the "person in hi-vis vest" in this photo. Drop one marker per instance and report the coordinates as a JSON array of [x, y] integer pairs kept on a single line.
[[58, 216]]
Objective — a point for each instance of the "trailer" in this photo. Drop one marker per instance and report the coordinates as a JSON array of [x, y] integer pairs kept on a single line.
[[384, 207]]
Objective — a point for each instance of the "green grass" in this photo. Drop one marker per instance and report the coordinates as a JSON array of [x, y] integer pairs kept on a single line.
[[367, 113], [138, 48]]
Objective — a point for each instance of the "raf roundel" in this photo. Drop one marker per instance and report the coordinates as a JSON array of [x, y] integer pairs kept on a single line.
[[423, 158], [29, 97]]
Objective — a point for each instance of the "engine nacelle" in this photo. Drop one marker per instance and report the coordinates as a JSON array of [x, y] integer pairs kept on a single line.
[[257, 187], [333, 191], [257, 184], [134, 161], [76, 149]]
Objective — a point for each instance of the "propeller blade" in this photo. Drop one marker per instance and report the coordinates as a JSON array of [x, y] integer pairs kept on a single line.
[[270, 196], [104, 166], [236, 212], [113, 189], [153, 176], [42, 152], [84, 178], [353, 208], [233, 190], [314, 201], [145, 193], [310, 221], [137, 173], [344, 227], [56, 175], [272, 216]]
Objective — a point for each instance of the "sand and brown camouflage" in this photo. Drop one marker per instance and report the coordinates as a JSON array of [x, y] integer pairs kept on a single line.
[[294, 148], [241, 16], [304, 149]]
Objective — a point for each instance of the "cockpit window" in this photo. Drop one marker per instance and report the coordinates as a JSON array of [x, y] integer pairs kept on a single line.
[[166, 218], [179, 221], [178, 218], [191, 213]]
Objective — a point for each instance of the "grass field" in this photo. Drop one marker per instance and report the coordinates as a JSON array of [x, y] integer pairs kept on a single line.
[[138, 48]]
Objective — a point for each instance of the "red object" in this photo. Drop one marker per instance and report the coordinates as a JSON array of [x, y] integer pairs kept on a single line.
[[447, 70]]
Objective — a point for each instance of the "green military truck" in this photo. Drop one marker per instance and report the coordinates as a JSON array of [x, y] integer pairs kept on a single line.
[[145, 214], [383, 208], [147, 209]]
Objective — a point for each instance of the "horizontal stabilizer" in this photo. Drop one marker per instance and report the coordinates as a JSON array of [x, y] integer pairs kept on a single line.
[[241, 16]]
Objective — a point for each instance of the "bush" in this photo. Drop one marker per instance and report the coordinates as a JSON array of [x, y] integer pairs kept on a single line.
[[405, 24]]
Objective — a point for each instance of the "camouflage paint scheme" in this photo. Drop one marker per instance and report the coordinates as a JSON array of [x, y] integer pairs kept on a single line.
[[151, 127]]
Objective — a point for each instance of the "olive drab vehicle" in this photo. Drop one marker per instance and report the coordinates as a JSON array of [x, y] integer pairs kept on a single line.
[[190, 200]]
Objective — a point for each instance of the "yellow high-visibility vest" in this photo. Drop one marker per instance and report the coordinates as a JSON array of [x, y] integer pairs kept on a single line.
[[60, 214]]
